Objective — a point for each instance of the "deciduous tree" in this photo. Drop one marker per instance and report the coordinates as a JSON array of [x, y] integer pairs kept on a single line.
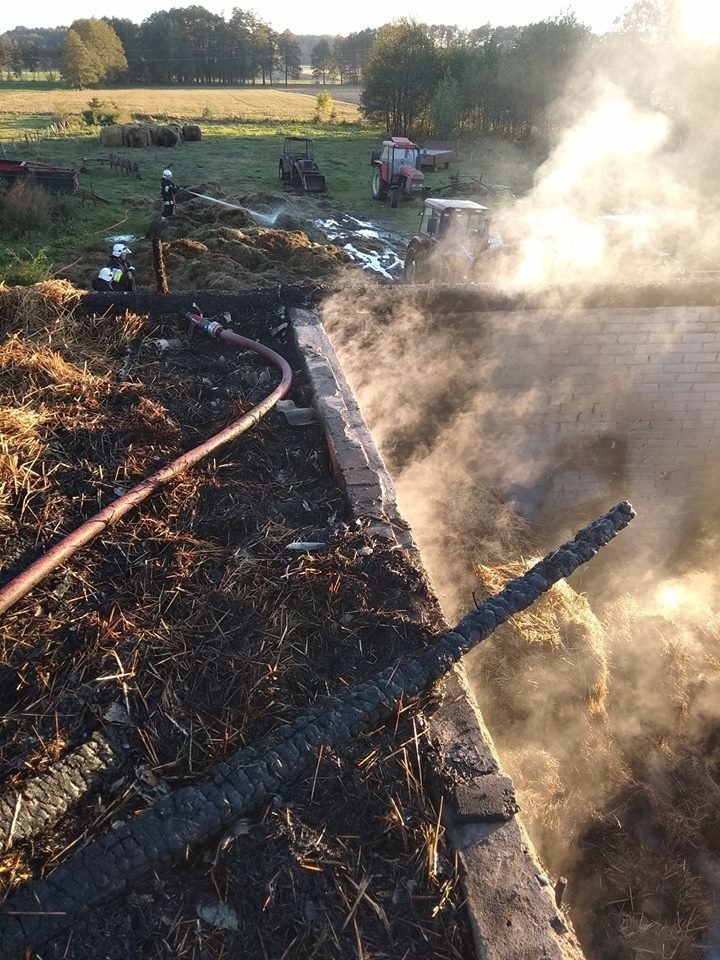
[[91, 52], [321, 60], [401, 76], [289, 55], [80, 67]]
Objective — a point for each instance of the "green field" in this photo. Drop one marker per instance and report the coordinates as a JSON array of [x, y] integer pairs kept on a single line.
[[234, 157]]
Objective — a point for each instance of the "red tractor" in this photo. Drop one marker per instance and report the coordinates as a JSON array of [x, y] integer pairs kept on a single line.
[[396, 169]]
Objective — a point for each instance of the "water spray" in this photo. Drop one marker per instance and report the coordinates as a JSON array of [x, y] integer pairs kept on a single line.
[[264, 218]]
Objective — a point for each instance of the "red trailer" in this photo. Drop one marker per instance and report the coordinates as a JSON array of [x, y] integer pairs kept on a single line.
[[52, 178]]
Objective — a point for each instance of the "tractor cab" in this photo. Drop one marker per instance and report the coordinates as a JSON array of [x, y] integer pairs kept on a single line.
[[452, 237], [463, 221], [396, 169]]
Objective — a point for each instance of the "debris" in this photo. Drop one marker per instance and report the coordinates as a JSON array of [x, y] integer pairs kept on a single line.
[[296, 416], [306, 545], [117, 713], [219, 915]]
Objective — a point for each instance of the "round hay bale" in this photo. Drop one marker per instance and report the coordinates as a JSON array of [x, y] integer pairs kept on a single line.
[[165, 137], [136, 135], [191, 133], [112, 136]]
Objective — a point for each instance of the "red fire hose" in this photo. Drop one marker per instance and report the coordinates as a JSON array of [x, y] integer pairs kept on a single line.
[[62, 551]]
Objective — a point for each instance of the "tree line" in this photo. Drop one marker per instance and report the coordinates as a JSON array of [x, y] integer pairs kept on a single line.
[[188, 45], [417, 79]]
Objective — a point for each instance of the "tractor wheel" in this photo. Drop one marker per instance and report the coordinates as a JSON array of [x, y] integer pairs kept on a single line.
[[394, 197], [379, 187], [410, 267]]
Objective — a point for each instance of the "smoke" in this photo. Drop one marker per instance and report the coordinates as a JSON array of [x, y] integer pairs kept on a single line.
[[506, 432], [630, 187]]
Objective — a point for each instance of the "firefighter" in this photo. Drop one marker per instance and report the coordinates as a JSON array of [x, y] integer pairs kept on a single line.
[[168, 191], [104, 279], [123, 273]]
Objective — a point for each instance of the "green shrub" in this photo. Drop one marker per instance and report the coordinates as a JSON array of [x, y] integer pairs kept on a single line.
[[101, 113], [324, 107], [23, 268]]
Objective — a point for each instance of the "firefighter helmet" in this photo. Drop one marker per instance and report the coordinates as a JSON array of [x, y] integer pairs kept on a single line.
[[167, 174], [119, 249], [106, 275]]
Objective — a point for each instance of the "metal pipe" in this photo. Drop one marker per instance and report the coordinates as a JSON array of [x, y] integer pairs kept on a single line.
[[62, 551]]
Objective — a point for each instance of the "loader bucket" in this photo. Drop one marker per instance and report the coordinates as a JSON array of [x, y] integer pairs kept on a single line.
[[314, 182]]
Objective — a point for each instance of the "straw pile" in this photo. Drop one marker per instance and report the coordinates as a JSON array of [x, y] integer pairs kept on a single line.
[[610, 732]]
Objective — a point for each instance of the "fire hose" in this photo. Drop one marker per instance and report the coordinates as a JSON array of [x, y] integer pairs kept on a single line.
[[190, 816], [62, 551]]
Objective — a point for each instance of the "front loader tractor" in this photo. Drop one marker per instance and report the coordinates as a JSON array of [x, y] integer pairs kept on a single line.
[[396, 170], [298, 169]]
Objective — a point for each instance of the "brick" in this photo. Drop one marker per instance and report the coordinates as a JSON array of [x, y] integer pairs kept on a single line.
[[700, 357], [488, 798], [696, 377], [633, 338], [668, 356], [634, 361], [678, 368], [694, 338]]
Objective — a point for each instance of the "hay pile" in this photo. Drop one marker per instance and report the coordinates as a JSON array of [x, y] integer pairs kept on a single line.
[[25, 308], [611, 732], [148, 134], [211, 248]]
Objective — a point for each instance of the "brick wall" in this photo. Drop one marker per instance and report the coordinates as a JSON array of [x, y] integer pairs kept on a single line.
[[594, 405]]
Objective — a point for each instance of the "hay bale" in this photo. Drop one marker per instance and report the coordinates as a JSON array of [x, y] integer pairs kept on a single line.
[[191, 133], [112, 136], [136, 135], [165, 137]]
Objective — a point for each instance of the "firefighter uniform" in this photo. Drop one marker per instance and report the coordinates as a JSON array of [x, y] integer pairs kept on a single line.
[[167, 192]]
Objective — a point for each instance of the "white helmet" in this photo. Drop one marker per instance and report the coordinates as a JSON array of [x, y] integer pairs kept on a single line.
[[167, 174], [119, 249], [106, 274]]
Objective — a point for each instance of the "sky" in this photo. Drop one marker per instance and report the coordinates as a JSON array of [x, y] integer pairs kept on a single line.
[[330, 18]]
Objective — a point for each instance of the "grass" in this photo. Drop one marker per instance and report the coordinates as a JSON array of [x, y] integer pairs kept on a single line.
[[242, 142]]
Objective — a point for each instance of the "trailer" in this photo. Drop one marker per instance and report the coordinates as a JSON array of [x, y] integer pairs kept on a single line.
[[437, 155], [49, 176]]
